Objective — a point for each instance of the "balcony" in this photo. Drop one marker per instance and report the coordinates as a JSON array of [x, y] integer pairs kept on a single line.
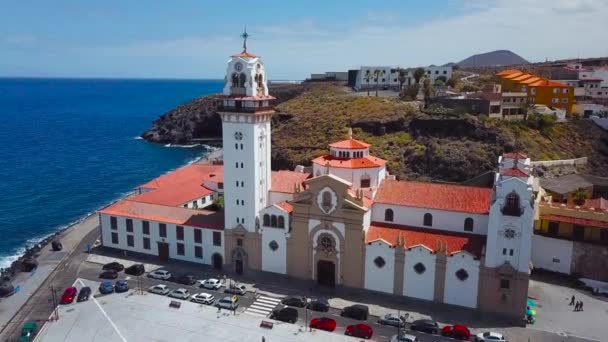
[[241, 109]]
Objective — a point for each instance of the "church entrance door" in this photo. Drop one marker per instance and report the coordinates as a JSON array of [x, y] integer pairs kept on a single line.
[[217, 261], [326, 273], [163, 251], [239, 266]]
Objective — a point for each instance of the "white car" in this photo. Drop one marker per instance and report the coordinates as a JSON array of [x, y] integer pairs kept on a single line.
[[392, 319], [489, 336], [159, 289], [180, 294], [160, 274], [404, 338], [211, 284], [202, 298], [228, 303]]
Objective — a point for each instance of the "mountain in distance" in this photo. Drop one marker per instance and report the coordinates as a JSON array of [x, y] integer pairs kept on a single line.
[[491, 59]]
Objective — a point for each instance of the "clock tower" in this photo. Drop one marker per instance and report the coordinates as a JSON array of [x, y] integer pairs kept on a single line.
[[246, 110]]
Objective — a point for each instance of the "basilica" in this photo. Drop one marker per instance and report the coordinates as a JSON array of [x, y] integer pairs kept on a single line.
[[343, 220]]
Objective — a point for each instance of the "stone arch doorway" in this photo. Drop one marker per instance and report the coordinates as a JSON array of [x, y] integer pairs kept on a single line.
[[326, 273], [240, 261], [217, 261]]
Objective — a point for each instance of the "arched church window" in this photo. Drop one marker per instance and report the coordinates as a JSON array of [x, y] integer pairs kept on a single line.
[[266, 220], [242, 80], [273, 221], [468, 224], [365, 181], [388, 215], [512, 207], [428, 220], [326, 200], [281, 222], [235, 79]]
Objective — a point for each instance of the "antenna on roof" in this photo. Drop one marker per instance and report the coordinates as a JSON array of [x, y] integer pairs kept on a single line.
[[350, 132]]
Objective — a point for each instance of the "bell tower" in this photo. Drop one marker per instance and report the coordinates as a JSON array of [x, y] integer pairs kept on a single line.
[[246, 110]]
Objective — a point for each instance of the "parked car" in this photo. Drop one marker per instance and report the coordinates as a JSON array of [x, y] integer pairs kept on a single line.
[[392, 319], [356, 311], [236, 289], [159, 289], [108, 275], [489, 336], [211, 284], [28, 331], [404, 338], [121, 286], [186, 279], [202, 298], [425, 325], [359, 330], [457, 331], [113, 266], [84, 294], [323, 323], [179, 294], [289, 315], [106, 287], [319, 304], [160, 274], [228, 302], [135, 269], [294, 301], [68, 295]]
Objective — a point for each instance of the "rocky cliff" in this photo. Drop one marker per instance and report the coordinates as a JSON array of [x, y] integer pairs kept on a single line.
[[415, 144]]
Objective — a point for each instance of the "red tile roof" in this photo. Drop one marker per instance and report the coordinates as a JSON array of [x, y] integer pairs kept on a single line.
[[167, 214], [530, 80], [190, 173], [350, 163], [286, 206], [548, 83], [514, 172], [350, 144], [285, 181], [507, 72], [427, 237], [435, 196], [575, 220], [512, 75], [244, 54], [367, 202], [175, 195], [515, 155]]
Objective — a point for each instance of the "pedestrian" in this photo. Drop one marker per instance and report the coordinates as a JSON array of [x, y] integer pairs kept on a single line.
[[572, 300], [580, 307], [576, 306], [263, 339]]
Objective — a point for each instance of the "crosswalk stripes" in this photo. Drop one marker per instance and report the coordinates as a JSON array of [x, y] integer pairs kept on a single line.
[[262, 306]]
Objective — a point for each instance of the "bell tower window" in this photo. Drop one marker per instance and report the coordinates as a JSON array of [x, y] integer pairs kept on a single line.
[[512, 207]]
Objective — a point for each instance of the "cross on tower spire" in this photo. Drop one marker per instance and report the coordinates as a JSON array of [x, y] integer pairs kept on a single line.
[[245, 35]]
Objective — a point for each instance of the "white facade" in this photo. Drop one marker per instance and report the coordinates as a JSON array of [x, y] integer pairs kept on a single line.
[[459, 291], [245, 71], [379, 277], [452, 221], [274, 260], [208, 248], [376, 175], [552, 254], [419, 285], [202, 202], [275, 197], [391, 74]]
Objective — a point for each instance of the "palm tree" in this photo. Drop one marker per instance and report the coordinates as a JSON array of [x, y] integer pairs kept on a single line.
[[377, 74], [427, 89], [579, 196], [367, 78], [401, 78], [418, 73]]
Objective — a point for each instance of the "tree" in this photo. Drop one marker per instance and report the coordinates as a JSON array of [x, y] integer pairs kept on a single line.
[[579, 196], [451, 82], [219, 202], [439, 83], [377, 75], [401, 77], [367, 78], [441, 78], [427, 89], [418, 73]]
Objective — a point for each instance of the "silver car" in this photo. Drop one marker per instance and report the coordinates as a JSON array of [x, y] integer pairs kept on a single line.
[[230, 303], [392, 319], [160, 274], [202, 298], [404, 338], [179, 294], [159, 289], [211, 284]]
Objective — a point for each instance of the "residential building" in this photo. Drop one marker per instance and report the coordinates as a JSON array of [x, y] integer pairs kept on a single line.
[[390, 76], [538, 89], [330, 76]]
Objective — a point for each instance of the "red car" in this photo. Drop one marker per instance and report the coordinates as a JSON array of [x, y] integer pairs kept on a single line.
[[68, 295], [323, 323], [359, 330], [460, 332]]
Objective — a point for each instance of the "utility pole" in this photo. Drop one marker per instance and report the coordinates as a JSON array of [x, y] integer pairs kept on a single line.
[[55, 304]]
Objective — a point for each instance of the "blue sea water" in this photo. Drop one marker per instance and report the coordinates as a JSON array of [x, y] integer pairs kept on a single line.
[[69, 146]]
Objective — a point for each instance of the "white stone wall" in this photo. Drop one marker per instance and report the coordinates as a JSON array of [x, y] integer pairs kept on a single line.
[[377, 175], [274, 261], [442, 219], [250, 67], [201, 202], [379, 278], [275, 197], [422, 285], [456, 291], [552, 254], [207, 239]]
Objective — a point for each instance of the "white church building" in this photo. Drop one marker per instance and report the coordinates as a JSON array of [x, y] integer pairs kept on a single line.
[[348, 223]]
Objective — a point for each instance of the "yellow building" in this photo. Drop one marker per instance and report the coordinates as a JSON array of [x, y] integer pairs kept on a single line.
[[540, 90]]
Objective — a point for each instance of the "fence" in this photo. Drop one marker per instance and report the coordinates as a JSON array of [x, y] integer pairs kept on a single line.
[[563, 162]]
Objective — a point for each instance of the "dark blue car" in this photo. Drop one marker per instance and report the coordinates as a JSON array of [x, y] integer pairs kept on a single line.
[[106, 287], [121, 286]]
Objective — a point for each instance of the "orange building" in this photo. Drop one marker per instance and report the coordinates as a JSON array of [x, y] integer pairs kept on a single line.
[[539, 90]]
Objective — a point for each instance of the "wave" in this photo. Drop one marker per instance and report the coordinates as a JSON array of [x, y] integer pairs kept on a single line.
[[185, 146], [138, 138]]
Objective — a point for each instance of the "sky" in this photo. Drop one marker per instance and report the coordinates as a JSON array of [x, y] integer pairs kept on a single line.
[[194, 38]]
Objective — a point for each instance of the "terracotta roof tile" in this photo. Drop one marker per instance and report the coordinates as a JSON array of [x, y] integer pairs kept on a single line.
[[350, 163], [244, 54], [522, 77], [576, 220], [512, 75], [435, 196], [548, 83], [514, 172], [286, 206], [350, 144], [530, 80], [175, 195], [428, 237], [161, 213], [508, 72], [190, 173], [285, 181], [515, 155]]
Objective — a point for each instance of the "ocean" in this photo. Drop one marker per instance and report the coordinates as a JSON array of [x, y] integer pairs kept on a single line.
[[70, 146]]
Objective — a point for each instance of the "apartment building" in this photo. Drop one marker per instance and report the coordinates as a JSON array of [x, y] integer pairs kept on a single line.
[[539, 90]]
